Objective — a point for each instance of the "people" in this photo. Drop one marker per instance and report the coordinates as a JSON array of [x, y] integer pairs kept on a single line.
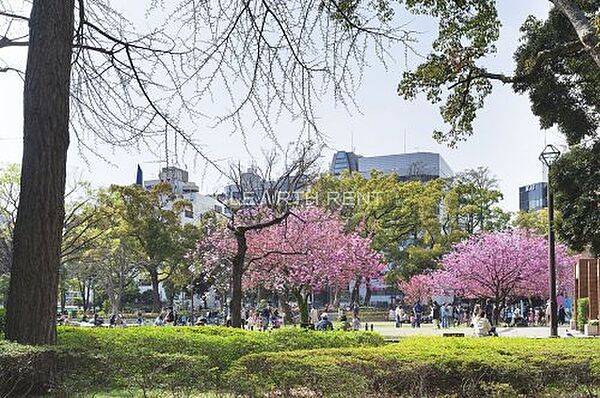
[[324, 324], [355, 322], [265, 317], [561, 315], [481, 325], [346, 326], [314, 315], [445, 313], [435, 314], [417, 314], [275, 319], [399, 314], [169, 317], [140, 319], [160, 319]]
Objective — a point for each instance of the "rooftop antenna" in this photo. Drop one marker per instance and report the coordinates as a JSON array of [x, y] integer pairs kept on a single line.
[[352, 140], [405, 140]]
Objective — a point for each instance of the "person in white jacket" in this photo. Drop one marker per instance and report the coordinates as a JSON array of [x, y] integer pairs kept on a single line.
[[481, 325]]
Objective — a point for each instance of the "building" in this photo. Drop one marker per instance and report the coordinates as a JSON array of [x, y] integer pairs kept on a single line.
[[343, 160], [422, 166], [533, 197], [184, 189]]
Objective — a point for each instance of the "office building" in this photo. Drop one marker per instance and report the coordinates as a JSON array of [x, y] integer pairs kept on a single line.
[[533, 197], [343, 160], [422, 166]]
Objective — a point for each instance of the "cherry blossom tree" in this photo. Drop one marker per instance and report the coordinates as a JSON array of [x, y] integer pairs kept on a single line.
[[311, 251], [503, 266], [417, 288], [306, 252]]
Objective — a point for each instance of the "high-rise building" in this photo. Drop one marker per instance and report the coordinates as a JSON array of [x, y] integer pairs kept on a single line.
[[533, 197], [423, 166]]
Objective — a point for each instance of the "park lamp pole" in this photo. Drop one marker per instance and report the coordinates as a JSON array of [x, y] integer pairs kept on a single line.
[[549, 156]]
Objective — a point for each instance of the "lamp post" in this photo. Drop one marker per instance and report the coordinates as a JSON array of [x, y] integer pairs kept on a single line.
[[549, 156]]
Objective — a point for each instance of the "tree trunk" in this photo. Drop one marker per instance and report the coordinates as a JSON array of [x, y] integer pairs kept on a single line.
[[355, 299], [287, 309], [156, 304], [303, 307], [86, 300], [31, 309], [235, 305], [63, 300], [367, 293]]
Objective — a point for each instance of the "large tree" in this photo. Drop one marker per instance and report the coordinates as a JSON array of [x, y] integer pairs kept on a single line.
[[309, 252], [157, 240], [557, 64], [90, 68], [502, 266], [576, 179]]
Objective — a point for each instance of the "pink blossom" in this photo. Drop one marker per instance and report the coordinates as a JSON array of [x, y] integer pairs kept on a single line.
[[504, 265]]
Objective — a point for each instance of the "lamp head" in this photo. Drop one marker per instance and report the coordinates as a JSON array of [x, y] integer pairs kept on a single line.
[[549, 155]]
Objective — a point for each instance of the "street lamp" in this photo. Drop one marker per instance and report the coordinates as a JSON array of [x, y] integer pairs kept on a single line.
[[549, 156]]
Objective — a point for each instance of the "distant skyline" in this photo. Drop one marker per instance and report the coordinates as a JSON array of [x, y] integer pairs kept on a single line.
[[507, 136]]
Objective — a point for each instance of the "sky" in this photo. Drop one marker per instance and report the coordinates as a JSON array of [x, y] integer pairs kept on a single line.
[[507, 136]]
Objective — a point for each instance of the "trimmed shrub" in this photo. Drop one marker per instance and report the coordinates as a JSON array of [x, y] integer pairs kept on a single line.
[[182, 357], [583, 309], [220, 345], [423, 367]]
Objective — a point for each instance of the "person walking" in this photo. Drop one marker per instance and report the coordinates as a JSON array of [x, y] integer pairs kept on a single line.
[[445, 312], [266, 318], [417, 310], [561, 315], [435, 314], [399, 314]]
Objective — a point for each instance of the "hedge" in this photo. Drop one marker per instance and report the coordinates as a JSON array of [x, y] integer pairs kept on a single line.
[[166, 358], [430, 366]]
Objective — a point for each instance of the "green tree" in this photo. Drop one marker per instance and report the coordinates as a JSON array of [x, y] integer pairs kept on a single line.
[[557, 64], [478, 196], [9, 201], [151, 221], [576, 180]]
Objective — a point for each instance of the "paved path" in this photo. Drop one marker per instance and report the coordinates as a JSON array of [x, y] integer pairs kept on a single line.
[[389, 330]]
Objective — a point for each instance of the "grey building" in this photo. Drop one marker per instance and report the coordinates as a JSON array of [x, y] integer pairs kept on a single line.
[[343, 160], [423, 166], [533, 197]]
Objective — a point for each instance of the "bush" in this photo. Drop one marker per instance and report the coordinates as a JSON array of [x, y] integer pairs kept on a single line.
[[423, 367], [583, 308], [136, 356], [26, 370]]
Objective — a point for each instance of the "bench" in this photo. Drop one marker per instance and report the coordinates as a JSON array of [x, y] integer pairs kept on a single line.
[[454, 334]]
